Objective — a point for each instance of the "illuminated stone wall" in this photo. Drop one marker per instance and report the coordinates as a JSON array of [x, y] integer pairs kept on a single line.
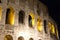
[[32, 25]]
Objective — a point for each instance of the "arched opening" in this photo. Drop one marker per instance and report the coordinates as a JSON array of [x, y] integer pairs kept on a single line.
[[45, 26], [52, 29], [49, 25], [10, 16], [31, 39], [39, 26], [21, 16], [8, 37], [0, 13], [31, 19], [0, 1], [20, 38]]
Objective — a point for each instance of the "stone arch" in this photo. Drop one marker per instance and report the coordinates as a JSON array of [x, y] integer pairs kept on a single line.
[[10, 16], [21, 16], [45, 26], [20, 38], [31, 39], [31, 19], [8, 37]]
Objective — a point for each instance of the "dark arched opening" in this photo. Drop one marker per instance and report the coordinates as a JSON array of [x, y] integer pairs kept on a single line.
[[30, 21], [8, 37], [21, 16], [20, 38], [31, 39]]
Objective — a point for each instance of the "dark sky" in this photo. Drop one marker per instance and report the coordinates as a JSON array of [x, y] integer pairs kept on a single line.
[[54, 10]]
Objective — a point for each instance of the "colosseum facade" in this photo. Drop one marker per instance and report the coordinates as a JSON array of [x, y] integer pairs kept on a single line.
[[26, 20]]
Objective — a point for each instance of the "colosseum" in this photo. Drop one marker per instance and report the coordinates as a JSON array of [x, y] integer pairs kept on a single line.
[[26, 20]]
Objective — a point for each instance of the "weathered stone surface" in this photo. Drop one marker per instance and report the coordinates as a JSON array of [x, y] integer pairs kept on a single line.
[[23, 29]]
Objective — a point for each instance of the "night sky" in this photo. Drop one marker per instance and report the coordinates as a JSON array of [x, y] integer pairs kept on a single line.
[[54, 10]]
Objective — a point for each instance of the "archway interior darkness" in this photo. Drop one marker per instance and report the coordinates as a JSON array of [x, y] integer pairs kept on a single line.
[[21, 16], [0, 1], [31, 39], [30, 21], [20, 38], [8, 37], [8, 11], [45, 26]]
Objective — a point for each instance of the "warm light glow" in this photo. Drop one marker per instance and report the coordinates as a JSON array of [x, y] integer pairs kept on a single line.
[[53, 29], [32, 15], [0, 13], [8, 37], [11, 17], [49, 25], [5, 38], [39, 27]]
